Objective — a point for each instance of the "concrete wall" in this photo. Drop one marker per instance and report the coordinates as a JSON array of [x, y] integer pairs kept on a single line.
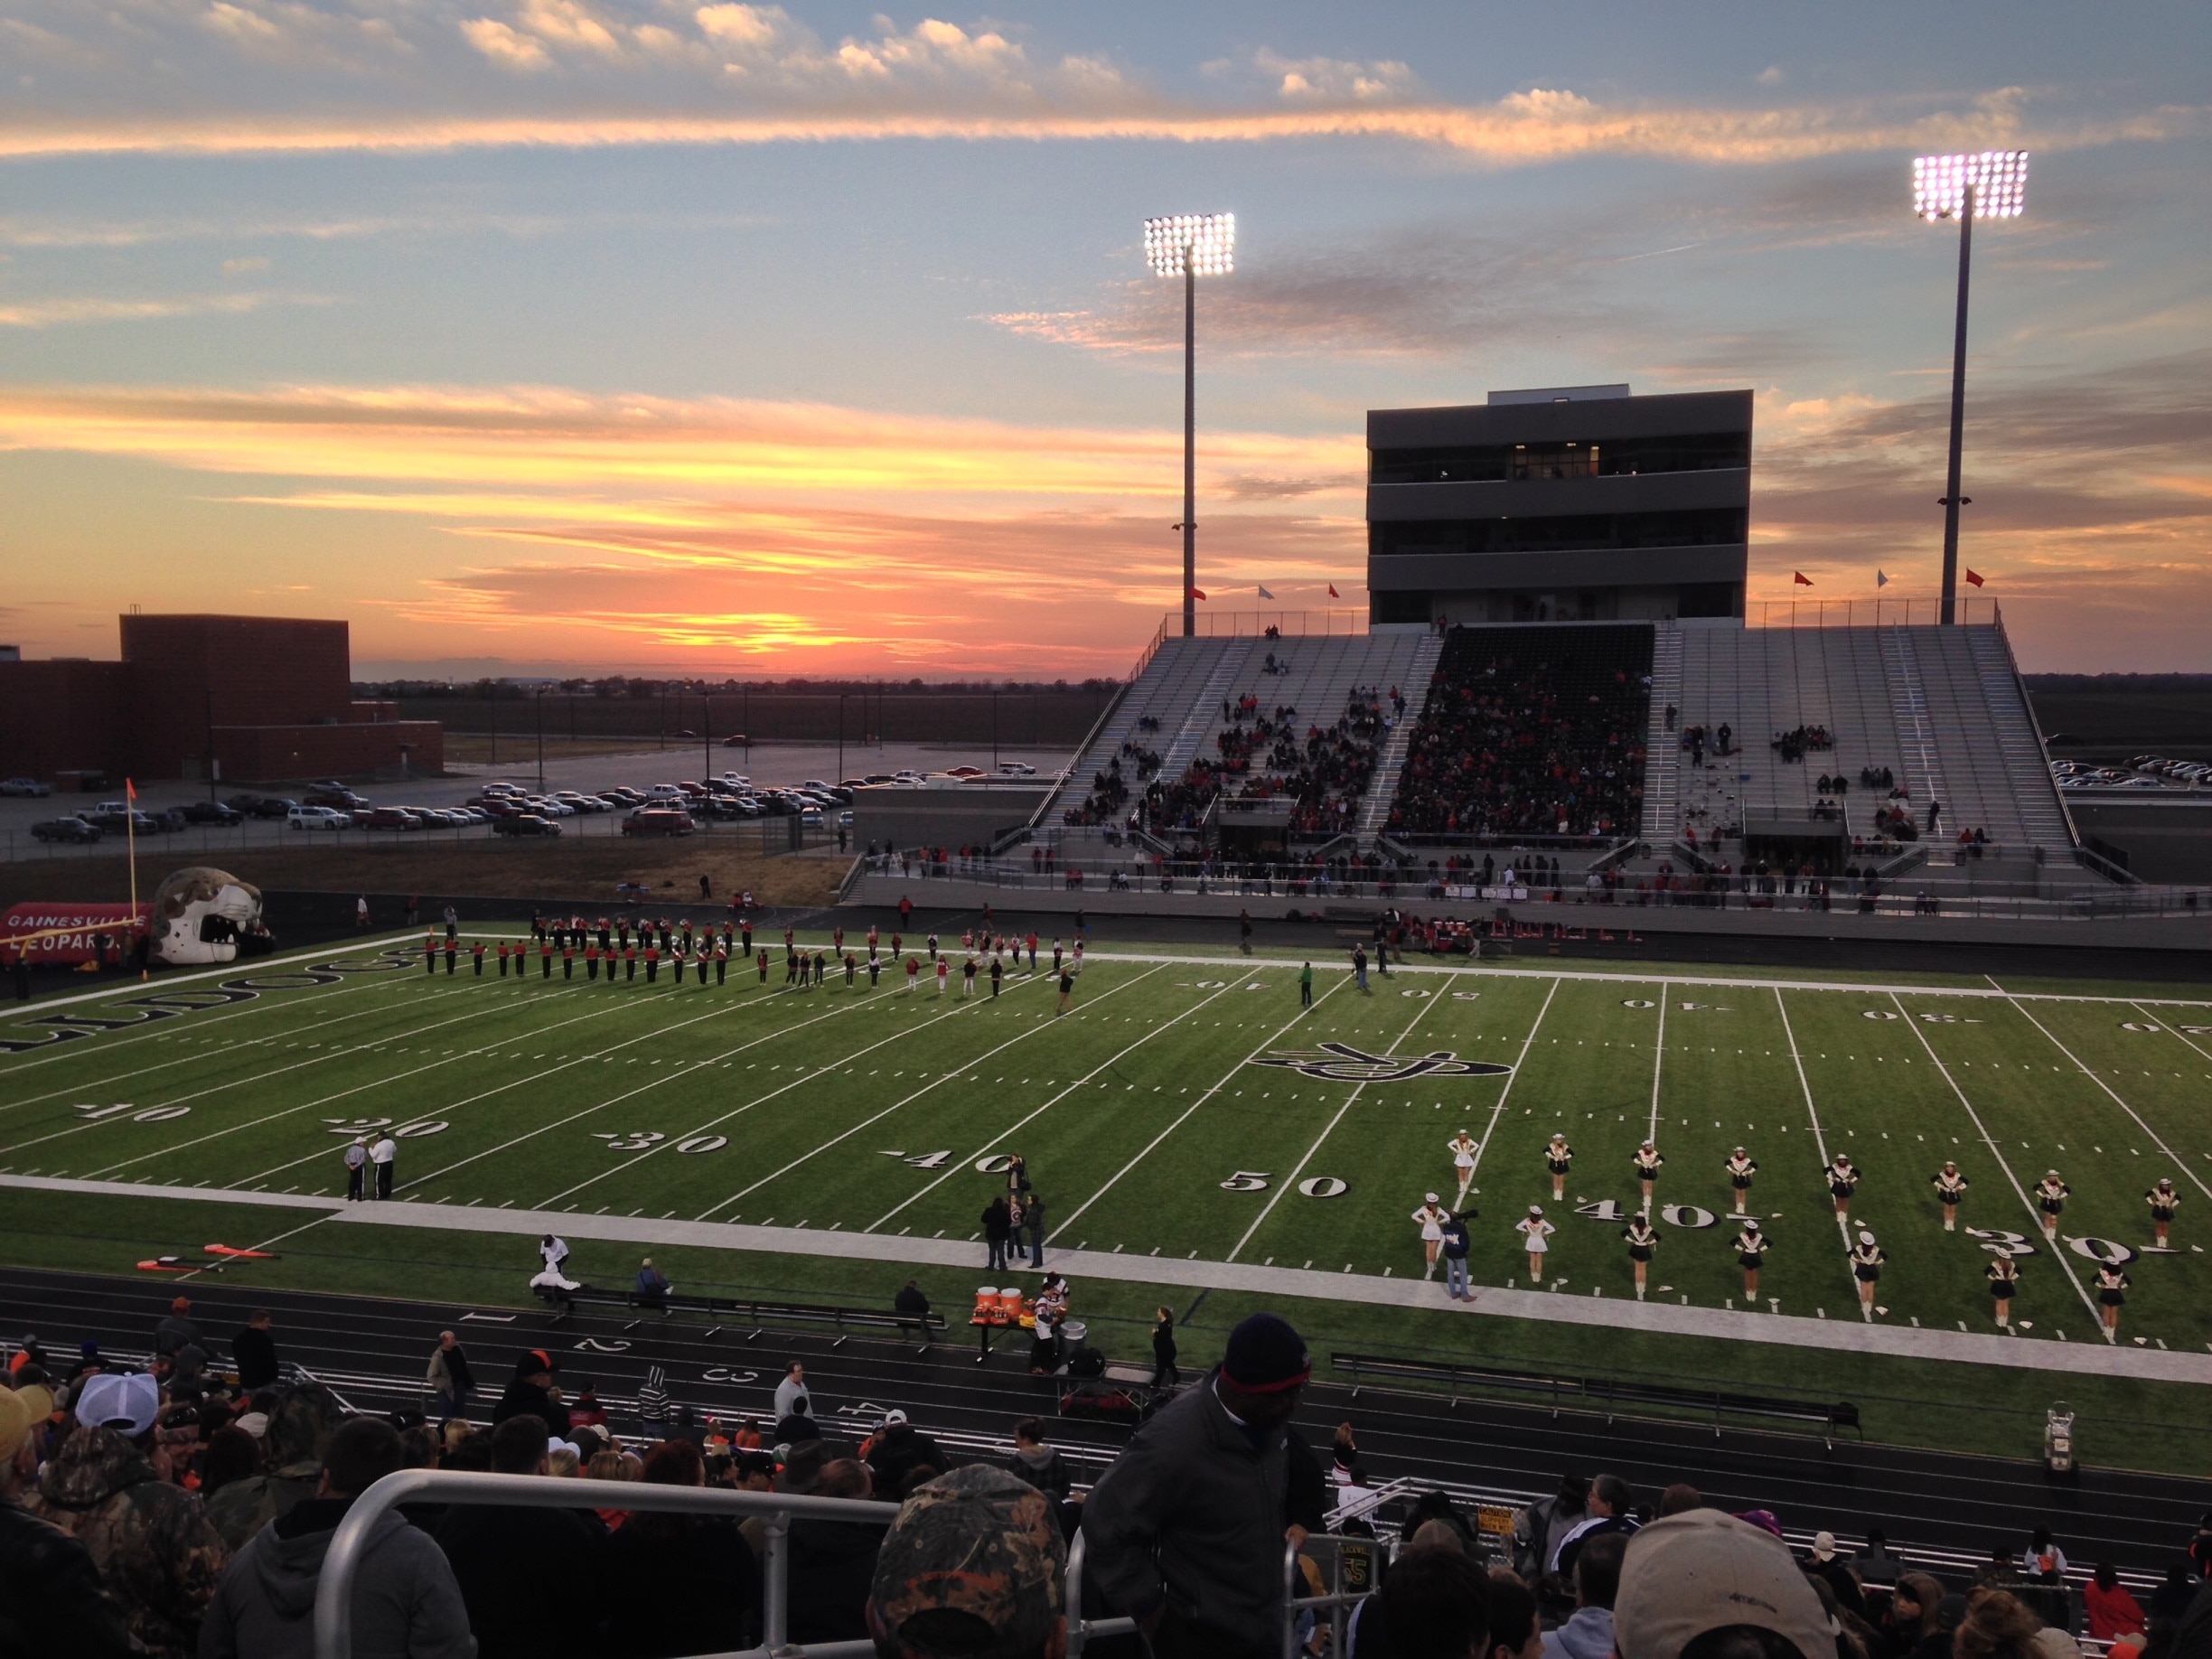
[[2166, 841], [958, 815]]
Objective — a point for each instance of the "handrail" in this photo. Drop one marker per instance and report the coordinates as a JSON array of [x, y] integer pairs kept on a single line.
[[334, 1606], [1080, 1630], [1067, 776]]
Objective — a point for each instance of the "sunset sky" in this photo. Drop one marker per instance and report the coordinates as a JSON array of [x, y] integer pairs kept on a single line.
[[640, 335]]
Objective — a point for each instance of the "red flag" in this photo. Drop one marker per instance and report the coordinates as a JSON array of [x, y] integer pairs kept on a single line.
[[1197, 593], [130, 790], [1333, 593], [1800, 579], [1974, 577]]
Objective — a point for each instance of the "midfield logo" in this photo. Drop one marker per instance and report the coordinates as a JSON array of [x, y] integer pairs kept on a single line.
[[1342, 1063]]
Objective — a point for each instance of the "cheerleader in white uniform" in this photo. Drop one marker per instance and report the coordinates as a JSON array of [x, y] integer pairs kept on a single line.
[[1535, 1229], [1431, 1216], [1463, 1148]]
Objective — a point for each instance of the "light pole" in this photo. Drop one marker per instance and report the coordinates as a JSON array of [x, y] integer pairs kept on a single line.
[[1190, 245], [1992, 184]]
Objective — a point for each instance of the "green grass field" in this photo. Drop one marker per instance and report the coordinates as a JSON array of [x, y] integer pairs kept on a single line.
[[1153, 1122]]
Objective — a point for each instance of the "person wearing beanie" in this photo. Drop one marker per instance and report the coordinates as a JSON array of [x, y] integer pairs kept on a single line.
[[1186, 1529], [49, 1591]]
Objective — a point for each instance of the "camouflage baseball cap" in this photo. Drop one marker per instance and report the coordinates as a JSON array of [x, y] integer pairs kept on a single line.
[[972, 1569]]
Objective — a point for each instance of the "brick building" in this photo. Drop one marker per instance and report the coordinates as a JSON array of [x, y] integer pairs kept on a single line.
[[266, 698]]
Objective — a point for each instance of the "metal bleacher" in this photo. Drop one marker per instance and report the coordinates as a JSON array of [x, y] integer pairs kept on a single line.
[[1940, 706], [1168, 690]]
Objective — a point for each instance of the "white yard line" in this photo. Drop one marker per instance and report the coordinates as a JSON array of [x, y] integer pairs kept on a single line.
[[1212, 1089], [1498, 1110], [2155, 1139], [935, 1082], [1291, 1180], [1658, 1061], [222, 1088], [216, 1016], [2162, 1025], [247, 969], [960, 1166], [2026, 1204], [1820, 1140]]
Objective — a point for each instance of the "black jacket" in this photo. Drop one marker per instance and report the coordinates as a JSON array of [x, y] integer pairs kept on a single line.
[[832, 1568], [898, 1451], [524, 1398], [910, 1303], [50, 1594], [524, 1575], [699, 1587], [255, 1354]]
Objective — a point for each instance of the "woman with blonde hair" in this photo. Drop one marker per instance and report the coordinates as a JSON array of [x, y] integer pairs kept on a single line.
[[1997, 1625]]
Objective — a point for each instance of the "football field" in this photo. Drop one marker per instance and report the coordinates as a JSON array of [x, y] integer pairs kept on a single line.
[[1187, 1107]]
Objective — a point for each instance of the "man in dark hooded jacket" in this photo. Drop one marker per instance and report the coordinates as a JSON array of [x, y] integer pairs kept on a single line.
[[405, 1598], [530, 1394], [299, 1430]]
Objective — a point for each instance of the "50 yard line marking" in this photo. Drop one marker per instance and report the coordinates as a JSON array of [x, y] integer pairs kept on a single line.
[[1212, 1090], [1291, 1180], [2026, 1204], [836, 1140], [992, 1144]]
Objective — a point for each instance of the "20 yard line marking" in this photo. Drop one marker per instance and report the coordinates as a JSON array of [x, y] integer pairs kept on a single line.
[[992, 1144], [1211, 1091], [2021, 1192], [2116, 1100], [1291, 1179], [909, 1100]]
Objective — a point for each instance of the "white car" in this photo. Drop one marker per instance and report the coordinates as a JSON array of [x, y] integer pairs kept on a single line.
[[317, 817], [1017, 769], [25, 786]]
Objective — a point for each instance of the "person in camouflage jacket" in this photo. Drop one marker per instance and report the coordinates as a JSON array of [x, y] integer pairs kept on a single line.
[[159, 1559], [300, 1426]]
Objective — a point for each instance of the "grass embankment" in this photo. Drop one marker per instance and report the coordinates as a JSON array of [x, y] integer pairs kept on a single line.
[[1989, 1410]]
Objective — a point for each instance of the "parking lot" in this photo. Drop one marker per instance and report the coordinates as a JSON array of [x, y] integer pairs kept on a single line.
[[767, 767], [2144, 775]]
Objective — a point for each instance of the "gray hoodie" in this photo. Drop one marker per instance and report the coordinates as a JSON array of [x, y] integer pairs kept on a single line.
[[405, 1603], [1588, 1634]]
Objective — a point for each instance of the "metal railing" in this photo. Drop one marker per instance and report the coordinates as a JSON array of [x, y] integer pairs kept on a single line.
[[1870, 612], [334, 1607]]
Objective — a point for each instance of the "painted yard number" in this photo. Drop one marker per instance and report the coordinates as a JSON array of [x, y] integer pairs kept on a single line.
[[1312, 1187], [348, 1128], [150, 1114], [1689, 1215]]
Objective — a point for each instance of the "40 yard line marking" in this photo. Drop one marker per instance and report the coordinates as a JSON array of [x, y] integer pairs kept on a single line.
[[836, 1140], [1658, 1060], [2123, 1105], [1212, 1090], [1291, 1179], [1820, 1141], [2026, 1204], [992, 1144], [1521, 1060]]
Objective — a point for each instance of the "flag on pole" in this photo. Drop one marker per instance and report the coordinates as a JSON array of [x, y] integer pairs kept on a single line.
[[1263, 592], [1974, 577], [1333, 593], [1881, 578], [1197, 593], [130, 790], [1800, 579]]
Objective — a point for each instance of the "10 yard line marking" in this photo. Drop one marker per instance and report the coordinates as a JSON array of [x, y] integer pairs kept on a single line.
[[1211, 1091], [1291, 1180], [2018, 1191], [164, 1028], [1498, 1110], [990, 1145], [897, 1105], [2116, 1100]]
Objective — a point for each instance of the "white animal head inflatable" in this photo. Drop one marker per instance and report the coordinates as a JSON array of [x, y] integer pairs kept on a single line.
[[202, 915]]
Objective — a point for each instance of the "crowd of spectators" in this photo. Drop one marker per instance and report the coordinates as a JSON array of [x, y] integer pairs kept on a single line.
[[171, 1513], [1268, 754], [1530, 733]]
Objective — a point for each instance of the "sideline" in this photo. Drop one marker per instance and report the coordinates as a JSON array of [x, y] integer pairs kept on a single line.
[[1619, 1313]]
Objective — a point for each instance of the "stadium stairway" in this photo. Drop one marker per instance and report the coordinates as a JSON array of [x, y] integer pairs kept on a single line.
[[1662, 751], [2042, 813], [1201, 716], [1389, 765], [1165, 690], [1922, 769]]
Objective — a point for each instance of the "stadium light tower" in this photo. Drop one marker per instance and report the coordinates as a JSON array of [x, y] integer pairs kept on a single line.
[[1190, 245], [1992, 184]]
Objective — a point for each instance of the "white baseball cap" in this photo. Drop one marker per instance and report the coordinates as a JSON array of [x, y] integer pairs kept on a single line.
[[126, 1403]]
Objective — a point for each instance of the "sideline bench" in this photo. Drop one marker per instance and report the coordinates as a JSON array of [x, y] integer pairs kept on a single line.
[[1606, 1394], [744, 1311]]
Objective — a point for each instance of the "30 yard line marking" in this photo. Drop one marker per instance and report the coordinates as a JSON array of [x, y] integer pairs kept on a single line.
[[2021, 1192], [1521, 1060], [1212, 1090], [992, 1144], [934, 1084], [1291, 1179], [2155, 1139]]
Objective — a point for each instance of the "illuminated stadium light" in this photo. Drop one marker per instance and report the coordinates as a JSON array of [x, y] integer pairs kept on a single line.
[[1997, 178], [1191, 246], [1990, 184], [1197, 243]]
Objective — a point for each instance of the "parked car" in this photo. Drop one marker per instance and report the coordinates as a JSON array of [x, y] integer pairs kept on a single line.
[[658, 820], [261, 806], [122, 817], [335, 795], [213, 812], [526, 823], [1017, 769], [388, 817], [318, 818], [964, 772], [169, 819], [30, 787], [72, 828]]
